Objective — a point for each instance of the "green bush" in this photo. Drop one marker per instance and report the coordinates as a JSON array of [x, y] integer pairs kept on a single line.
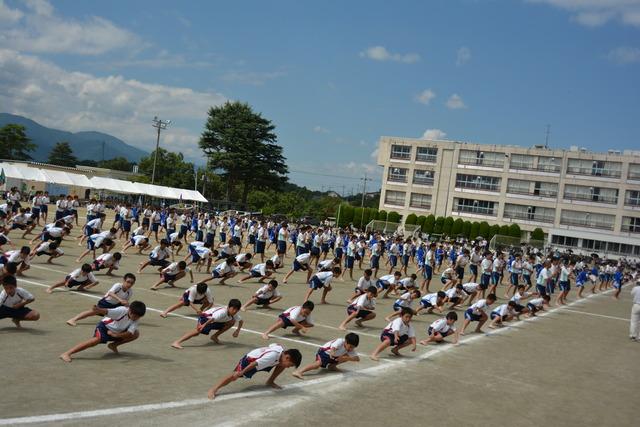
[[394, 217], [382, 215], [514, 231], [475, 230], [537, 234], [429, 224], [447, 226], [457, 227], [437, 229], [466, 229], [483, 230], [504, 230]]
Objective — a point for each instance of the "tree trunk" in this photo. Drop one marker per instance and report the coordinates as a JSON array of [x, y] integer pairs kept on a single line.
[[245, 193]]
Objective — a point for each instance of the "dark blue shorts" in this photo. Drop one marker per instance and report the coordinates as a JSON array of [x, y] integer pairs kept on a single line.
[[393, 260], [211, 326], [361, 313], [428, 272], [324, 359], [392, 338], [260, 245], [565, 286], [485, 278], [382, 284], [375, 261], [155, 226], [244, 362], [349, 262], [158, 262], [255, 273], [316, 283], [470, 315], [101, 332], [103, 303], [282, 246], [315, 251], [474, 269], [514, 279], [431, 333], [73, 283], [126, 225], [297, 266], [13, 313], [285, 321]]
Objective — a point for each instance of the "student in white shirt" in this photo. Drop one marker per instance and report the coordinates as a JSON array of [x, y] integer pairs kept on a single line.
[[259, 271], [298, 317], [364, 283], [52, 249], [442, 328], [300, 262], [398, 334], [265, 296], [333, 353], [322, 280], [261, 359], [196, 294], [476, 313], [103, 240], [140, 242], [172, 273], [537, 304], [81, 277], [225, 270], [13, 302], [118, 296], [159, 257], [120, 326], [502, 313], [218, 319], [109, 261], [404, 301], [362, 308], [20, 258]]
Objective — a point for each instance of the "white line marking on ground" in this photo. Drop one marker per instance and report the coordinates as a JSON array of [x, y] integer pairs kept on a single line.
[[247, 417], [598, 315]]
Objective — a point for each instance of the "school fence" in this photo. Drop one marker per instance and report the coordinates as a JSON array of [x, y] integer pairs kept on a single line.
[[500, 241], [384, 227]]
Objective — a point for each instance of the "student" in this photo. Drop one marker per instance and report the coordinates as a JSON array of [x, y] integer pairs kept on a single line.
[[261, 240], [516, 269], [471, 289], [120, 326], [244, 261], [81, 277], [265, 296], [405, 301], [407, 283], [91, 227], [374, 260], [581, 279], [537, 304], [172, 273], [322, 280], [52, 249], [617, 279], [52, 232], [224, 271], [455, 296], [328, 264], [486, 272], [200, 255], [261, 359], [388, 283], [196, 294], [447, 278], [117, 296], [518, 297], [109, 261], [19, 258], [141, 242], [476, 313], [159, 257], [260, 272], [299, 317], [503, 313], [219, 319], [361, 309], [13, 302], [432, 301], [398, 334], [102, 240], [428, 267], [300, 262], [442, 328], [364, 283], [565, 285], [542, 280], [333, 353]]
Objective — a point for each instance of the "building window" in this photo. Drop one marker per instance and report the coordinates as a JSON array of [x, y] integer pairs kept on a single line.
[[420, 201], [630, 224], [426, 154], [632, 198], [423, 177], [634, 171], [529, 213], [545, 189], [402, 152], [594, 245], [591, 194], [587, 219], [481, 207], [394, 198], [548, 164], [564, 240], [477, 182], [594, 168], [397, 174], [481, 158], [521, 161]]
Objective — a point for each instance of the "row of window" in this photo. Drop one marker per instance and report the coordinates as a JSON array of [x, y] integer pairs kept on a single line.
[[420, 176], [520, 162], [596, 245], [519, 212]]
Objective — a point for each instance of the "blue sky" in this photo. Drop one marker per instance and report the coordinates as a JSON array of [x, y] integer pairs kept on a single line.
[[333, 76]]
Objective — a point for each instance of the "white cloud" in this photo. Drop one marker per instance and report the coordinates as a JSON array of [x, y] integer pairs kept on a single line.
[[624, 55], [595, 13], [455, 102], [380, 53], [436, 134], [374, 153], [38, 29], [252, 77], [113, 104], [355, 168], [464, 56], [425, 96], [320, 129]]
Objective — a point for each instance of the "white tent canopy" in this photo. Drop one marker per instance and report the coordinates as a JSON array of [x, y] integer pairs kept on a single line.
[[28, 173]]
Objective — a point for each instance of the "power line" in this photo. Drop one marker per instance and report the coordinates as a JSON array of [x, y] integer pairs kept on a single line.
[[326, 174]]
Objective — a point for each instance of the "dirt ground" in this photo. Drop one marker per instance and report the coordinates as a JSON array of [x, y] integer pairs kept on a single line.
[[573, 366]]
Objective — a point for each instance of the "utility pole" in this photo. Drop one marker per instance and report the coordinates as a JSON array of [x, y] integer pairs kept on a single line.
[[103, 151], [546, 140], [160, 125], [364, 190]]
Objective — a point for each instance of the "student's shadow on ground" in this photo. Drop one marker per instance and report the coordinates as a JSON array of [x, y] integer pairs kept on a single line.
[[226, 345], [9, 330], [126, 356]]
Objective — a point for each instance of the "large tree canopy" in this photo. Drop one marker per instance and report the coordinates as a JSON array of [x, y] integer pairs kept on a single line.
[[62, 155], [242, 144], [171, 169], [14, 144]]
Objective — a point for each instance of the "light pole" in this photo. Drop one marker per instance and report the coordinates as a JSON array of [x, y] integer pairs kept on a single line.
[[364, 190], [160, 125]]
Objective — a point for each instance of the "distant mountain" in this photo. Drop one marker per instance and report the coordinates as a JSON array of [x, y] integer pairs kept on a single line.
[[85, 145]]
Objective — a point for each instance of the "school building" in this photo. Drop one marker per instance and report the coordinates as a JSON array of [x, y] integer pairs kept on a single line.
[[583, 200]]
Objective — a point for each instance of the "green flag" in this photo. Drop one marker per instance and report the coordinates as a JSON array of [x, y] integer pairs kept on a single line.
[[3, 178]]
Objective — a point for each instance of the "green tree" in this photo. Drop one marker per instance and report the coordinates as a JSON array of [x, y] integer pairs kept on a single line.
[[537, 234], [412, 219], [447, 226], [483, 230], [514, 230], [346, 214], [504, 230], [429, 224], [14, 144], [420, 221], [466, 229], [394, 217], [493, 230], [475, 230], [437, 228], [87, 162], [243, 144], [171, 169], [457, 227], [62, 155], [382, 215], [117, 163]]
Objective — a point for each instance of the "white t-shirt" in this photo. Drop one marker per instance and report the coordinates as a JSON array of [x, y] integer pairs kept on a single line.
[[118, 320], [265, 357], [337, 348], [397, 325], [193, 295], [363, 283], [266, 293], [303, 258], [325, 277], [441, 326], [479, 306], [363, 302], [20, 295], [107, 260], [295, 313], [80, 276], [220, 315], [118, 289]]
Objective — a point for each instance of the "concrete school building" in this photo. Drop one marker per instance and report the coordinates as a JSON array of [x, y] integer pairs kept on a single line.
[[583, 200]]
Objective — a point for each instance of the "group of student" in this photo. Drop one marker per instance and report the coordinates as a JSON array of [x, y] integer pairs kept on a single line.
[[321, 254]]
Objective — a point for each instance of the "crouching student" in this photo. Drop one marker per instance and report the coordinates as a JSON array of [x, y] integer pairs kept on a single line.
[[260, 272], [537, 304], [361, 309], [442, 328], [19, 258], [398, 334], [322, 280], [224, 271], [363, 284], [196, 294], [52, 249], [219, 319], [265, 296], [117, 296], [120, 326], [13, 302], [301, 262], [455, 296], [298, 317], [476, 313], [109, 261], [81, 277], [332, 354], [261, 359], [405, 301], [171, 274], [503, 313], [432, 301]]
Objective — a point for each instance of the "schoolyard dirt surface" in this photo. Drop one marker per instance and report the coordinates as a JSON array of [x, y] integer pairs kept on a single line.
[[571, 366]]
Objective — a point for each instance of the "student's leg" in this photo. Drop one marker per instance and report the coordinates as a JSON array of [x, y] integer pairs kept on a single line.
[[483, 319], [174, 307], [56, 285], [369, 316], [66, 356], [311, 367], [213, 391], [113, 346], [188, 335], [308, 294], [384, 344], [279, 324], [219, 332], [83, 315], [325, 291], [249, 303]]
